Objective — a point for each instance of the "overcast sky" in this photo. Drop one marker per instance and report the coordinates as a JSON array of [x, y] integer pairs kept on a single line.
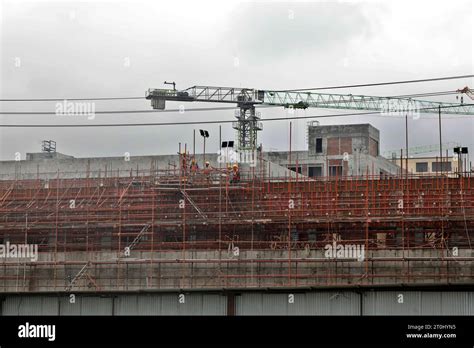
[[72, 49]]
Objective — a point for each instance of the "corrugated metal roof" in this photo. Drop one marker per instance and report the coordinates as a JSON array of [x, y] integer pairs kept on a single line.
[[96, 305], [30, 305], [257, 303], [315, 303]]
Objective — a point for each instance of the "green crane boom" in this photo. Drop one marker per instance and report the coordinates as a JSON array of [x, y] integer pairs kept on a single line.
[[246, 99]]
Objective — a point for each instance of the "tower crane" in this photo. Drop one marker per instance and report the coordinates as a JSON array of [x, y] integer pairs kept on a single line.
[[248, 124], [467, 91]]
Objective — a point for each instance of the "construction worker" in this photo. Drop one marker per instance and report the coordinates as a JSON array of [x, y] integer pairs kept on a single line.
[[228, 172], [207, 168], [207, 171], [194, 166], [235, 173]]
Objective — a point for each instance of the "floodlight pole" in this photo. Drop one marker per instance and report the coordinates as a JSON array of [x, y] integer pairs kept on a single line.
[[204, 134]]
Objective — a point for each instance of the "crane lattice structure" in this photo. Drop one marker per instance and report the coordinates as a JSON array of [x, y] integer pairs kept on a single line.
[[248, 123]]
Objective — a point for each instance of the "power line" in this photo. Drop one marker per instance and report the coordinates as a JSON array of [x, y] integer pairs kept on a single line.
[[284, 90], [131, 111], [62, 99], [200, 122], [379, 83], [427, 94], [209, 109]]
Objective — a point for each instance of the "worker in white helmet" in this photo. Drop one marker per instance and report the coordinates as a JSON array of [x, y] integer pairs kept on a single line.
[[207, 171]]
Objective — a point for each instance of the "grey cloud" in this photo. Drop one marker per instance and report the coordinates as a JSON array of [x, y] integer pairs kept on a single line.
[[265, 32], [83, 57]]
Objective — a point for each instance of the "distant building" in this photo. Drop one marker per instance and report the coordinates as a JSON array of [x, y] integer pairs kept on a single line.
[[429, 165], [338, 150]]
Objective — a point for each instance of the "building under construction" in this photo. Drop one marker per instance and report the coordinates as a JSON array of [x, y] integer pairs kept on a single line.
[[165, 224]]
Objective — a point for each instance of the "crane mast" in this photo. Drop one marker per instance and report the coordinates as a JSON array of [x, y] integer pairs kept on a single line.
[[248, 124]]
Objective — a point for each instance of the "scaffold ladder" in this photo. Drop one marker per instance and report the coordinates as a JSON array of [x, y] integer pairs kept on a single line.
[[78, 276], [185, 195], [139, 237]]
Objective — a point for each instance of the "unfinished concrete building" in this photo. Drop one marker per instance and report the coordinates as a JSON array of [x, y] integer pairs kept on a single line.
[[117, 227], [338, 150]]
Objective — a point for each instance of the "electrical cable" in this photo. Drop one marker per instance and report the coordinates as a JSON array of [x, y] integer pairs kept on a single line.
[[379, 83], [204, 122]]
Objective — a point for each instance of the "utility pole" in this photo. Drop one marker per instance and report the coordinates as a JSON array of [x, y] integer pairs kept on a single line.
[[440, 142], [194, 144], [406, 142]]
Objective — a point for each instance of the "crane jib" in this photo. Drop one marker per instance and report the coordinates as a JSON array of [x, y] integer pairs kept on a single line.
[[304, 99]]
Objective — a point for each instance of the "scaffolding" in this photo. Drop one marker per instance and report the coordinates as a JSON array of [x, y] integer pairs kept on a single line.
[[199, 229]]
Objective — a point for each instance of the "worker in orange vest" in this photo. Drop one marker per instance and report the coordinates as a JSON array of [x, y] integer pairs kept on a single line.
[[207, 168], [235, 173], [194, 166]]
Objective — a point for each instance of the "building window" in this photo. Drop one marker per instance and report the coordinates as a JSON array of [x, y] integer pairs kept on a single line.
[[319, 145], [335, 170], [441, 166], [422, 167], [315, 171], [300, 169]]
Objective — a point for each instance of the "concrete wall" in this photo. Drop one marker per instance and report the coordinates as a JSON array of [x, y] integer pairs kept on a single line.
[[36, 156], [355, 140], [261, 269], [361, 142], [357, 163], [97, 166], [47, 167], [360, 134], [275, 164]]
